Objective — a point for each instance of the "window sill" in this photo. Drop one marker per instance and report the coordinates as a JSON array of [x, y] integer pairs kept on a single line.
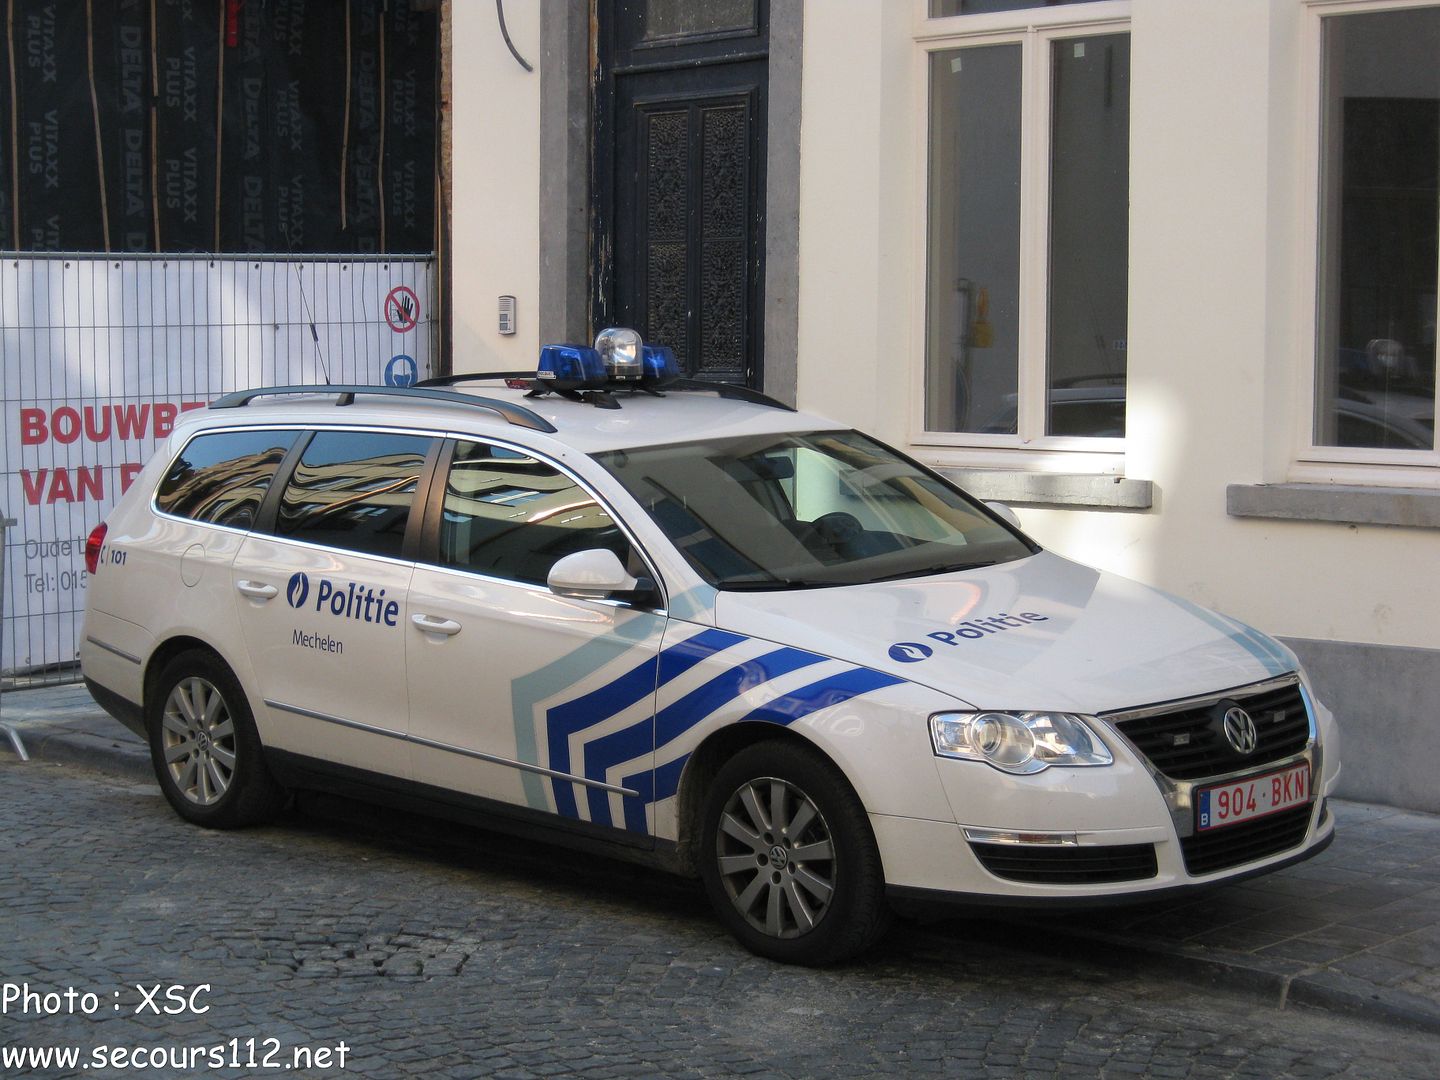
[[1416, 508], [1054, 489]]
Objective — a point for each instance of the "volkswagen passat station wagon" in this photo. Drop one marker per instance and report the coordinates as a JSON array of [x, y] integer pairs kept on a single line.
[[685, 624]]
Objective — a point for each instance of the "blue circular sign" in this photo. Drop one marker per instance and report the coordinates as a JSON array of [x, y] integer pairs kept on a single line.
[[910, 652], [401, 371]]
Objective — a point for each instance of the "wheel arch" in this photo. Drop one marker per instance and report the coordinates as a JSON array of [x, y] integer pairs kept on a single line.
[[166, 651], [706, 761]]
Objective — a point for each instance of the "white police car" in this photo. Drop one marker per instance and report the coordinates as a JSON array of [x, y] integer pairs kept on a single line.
[[685, 624]]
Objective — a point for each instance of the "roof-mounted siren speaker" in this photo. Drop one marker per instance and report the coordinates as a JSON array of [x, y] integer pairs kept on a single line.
[[622, 352], [660, 367], [569, 368]]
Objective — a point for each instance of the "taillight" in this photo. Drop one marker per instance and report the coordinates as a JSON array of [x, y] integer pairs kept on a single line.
[[92, 548]]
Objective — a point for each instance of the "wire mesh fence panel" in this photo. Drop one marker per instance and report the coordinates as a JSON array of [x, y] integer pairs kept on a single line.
[[103, 354]]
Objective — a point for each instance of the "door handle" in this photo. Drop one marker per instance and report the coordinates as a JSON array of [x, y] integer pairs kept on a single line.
[[431, 625], [257, 590]]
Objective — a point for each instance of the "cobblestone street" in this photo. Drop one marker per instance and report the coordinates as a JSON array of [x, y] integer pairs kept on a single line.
[[463, 954]]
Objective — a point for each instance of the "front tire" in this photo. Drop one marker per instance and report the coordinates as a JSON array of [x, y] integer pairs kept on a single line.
[[204, 746], [788, 857]]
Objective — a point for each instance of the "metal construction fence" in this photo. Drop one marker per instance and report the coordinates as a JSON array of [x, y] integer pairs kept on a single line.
[[102, 353]]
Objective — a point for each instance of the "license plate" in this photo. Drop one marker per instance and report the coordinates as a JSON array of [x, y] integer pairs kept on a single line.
[[1253, 797]]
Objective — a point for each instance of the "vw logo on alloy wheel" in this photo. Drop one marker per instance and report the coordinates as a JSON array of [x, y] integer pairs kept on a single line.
[[1240, 730]]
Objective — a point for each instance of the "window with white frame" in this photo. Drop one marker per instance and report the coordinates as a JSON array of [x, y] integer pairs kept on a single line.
[[1027, 237], [1378, 258]]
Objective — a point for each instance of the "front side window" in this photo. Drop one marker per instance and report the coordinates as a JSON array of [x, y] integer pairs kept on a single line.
[[222, 476], [1379, 260], [807, 511], [510, 516], [354, 490], [1011, 351]]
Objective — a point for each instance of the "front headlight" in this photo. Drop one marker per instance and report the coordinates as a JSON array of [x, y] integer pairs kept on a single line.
[[1021, 743]]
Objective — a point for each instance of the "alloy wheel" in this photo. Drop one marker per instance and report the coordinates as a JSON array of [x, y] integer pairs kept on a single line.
[[198, 739], [776, 857]]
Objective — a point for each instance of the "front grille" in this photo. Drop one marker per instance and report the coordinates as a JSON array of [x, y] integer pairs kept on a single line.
[[1232, 845], [1190, 742], [1068, 865]]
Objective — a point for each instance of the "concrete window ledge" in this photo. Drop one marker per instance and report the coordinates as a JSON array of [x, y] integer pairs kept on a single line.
[[1417, 508], [1054, 489]]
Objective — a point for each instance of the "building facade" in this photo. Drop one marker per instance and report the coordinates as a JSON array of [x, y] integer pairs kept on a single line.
[[1162, 274]]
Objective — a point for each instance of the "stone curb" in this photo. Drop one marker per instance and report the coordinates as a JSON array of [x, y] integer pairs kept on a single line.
[[122, 755], [1276, 983]]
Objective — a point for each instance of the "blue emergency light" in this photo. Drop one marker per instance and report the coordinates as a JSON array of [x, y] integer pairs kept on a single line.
[[571, 367], [659, 366]]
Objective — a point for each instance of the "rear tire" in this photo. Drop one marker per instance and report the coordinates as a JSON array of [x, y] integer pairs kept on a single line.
[[788, 857], [204, 746]]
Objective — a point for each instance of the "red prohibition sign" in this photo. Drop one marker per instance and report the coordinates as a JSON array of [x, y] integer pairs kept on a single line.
[[402, 309]]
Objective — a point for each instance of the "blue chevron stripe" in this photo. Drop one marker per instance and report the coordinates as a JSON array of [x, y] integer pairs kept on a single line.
[[784, 710], [674, 720], [565, 720], [788, 708]]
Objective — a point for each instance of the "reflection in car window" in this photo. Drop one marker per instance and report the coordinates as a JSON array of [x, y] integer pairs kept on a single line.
[[354, 489], [799, 511], [222, 477], [510, 516]]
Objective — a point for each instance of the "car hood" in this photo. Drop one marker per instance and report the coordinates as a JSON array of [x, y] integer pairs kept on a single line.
[[1040, 633]]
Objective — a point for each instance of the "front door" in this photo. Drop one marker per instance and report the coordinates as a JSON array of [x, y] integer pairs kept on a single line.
[[679, 184], [517, 695]]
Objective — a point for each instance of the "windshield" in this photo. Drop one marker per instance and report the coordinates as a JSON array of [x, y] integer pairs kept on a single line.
[[807, 511]]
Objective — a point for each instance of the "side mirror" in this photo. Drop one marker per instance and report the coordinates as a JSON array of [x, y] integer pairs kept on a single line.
[[595, 574], [1005, 512]]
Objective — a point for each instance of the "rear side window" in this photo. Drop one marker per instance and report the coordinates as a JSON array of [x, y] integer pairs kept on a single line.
[[510, 516], [222, 476], [355, 490]]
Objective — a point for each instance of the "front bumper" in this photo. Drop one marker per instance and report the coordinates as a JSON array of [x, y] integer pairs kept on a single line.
[[1105, 834]]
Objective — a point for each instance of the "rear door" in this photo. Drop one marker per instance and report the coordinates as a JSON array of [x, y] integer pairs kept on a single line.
[[321, 595], [518, 695]]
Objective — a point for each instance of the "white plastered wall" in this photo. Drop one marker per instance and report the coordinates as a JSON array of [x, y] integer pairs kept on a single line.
[[495, 200], [858, 226], [1220, 296]]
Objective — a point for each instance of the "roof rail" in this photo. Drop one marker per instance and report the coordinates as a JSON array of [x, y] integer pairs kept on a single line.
[[729, 390], [512, 413], [476, 376]]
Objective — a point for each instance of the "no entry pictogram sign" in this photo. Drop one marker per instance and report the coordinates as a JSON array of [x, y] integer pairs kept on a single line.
[[402, 309]]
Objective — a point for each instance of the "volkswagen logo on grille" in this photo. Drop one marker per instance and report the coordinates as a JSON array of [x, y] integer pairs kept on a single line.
[[1240, 730]]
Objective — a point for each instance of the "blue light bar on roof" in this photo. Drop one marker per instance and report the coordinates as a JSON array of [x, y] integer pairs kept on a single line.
[[659, 365], [571, 367]]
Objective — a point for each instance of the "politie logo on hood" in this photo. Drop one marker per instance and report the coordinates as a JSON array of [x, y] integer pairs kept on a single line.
[[910, 652], [298, 590]]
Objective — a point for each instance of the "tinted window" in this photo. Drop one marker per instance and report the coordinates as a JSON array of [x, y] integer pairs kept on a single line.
[[510, 516], [221, 477], [354, 489]]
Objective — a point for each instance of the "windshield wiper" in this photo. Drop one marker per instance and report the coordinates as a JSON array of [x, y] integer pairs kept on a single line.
[[930, 571]]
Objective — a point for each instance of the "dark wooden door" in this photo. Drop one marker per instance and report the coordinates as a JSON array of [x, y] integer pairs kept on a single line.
[[679, 193]]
